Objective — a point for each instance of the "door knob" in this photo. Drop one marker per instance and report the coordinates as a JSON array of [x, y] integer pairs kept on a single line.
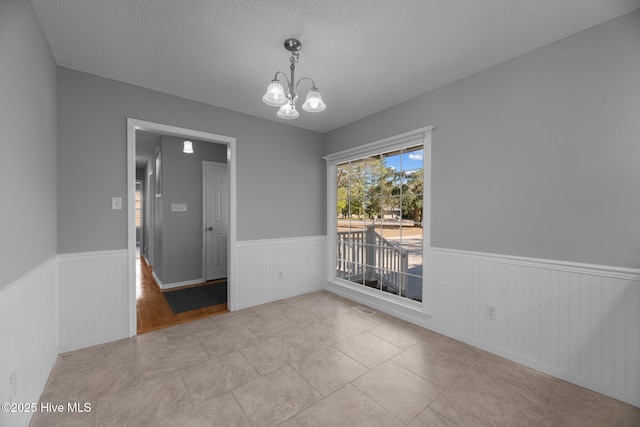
[[210, 229]]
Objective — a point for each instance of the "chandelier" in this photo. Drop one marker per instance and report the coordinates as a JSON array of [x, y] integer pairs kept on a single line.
[[276, 97]]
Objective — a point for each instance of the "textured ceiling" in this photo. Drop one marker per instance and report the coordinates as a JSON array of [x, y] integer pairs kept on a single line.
[[365, 55]]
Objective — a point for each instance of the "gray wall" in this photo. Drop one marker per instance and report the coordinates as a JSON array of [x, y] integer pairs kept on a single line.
[[279, 167], [28, 160], [181, 233], [538, 156]]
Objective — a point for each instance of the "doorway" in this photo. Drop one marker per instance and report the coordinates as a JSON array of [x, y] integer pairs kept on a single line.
[[226, 260]]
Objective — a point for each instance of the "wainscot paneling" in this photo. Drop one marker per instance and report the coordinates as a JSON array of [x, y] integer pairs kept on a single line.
[[269, 270], [94, 298], [28, 338], [578, 322]]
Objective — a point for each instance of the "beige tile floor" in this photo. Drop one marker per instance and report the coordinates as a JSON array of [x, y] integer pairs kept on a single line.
[[312, 361]]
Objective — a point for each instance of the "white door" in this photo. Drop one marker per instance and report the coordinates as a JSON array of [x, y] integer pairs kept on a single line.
[[216, 219]]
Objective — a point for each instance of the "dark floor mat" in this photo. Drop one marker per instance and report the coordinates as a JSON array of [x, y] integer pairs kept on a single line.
[[196, 297]]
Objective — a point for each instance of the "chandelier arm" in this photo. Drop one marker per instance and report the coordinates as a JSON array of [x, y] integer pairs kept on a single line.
[[285, 77], [313, 84]]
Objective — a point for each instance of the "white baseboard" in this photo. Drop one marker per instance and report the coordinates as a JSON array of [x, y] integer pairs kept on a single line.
[[156, 278], [102, 339], [165, 286]]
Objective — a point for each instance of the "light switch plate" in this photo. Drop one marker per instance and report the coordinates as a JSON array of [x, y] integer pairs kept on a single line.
[[116, 203]]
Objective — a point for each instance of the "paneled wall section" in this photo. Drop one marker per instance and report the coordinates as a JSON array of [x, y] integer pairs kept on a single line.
[[94, 298], [575, 321], [260, 262], [28, 338]]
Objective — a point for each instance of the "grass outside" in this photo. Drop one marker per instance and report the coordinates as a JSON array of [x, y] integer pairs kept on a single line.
[[390, 229]]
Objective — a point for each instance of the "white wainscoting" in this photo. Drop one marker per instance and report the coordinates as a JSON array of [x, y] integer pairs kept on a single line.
[[578, 322], [28, 337], [301, 260], [94, 298]]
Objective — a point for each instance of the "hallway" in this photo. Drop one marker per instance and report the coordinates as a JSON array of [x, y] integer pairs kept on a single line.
[[153, 311]]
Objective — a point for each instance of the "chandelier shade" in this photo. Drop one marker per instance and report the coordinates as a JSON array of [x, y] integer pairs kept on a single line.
[[276, 97], [288, 111], [187, 147], [313, 103]]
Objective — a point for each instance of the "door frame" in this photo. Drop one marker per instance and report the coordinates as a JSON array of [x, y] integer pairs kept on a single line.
[[143, 205], [230, 142], [204, 216]]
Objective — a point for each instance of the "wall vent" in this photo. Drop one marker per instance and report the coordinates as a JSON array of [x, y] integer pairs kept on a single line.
[[363, 310]]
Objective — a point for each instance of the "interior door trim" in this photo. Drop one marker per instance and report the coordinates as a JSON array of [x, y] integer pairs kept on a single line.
[[132, 126]]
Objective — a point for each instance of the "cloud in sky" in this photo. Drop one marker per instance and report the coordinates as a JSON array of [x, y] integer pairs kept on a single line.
[[416, 155]]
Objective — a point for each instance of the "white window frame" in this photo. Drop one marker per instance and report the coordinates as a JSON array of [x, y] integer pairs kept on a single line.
[[405, 140]]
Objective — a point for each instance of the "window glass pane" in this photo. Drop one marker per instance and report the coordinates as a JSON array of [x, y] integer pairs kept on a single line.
[[387, 184], [342, 208], [373, 165], [356, 186], [370, 253], [412, 209], [356, 208], [373, 185], [390, 281], [412, 182], [342, 272], [357, 273], [411, 158], [391, 184], [390, 209], [379, 222], [342, 175], [373, 171], [414, 262], [373, 209], [350, 270], [413, 289], [392, 160], [342, 224]]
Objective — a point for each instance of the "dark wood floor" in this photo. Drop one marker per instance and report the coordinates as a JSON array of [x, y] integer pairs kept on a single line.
[[154, 312]]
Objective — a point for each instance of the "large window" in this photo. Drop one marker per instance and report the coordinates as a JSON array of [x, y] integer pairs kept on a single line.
[[379, 213]]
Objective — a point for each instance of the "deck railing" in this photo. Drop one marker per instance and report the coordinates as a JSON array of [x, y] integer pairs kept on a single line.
[[368, 258]]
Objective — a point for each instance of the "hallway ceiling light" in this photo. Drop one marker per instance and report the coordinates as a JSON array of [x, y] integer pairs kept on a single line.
[[188, 147], [276, 97]]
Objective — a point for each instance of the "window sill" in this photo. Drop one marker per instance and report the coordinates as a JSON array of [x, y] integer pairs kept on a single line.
[[406, 309]]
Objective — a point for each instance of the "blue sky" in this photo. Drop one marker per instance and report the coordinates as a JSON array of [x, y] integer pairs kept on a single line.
[[405, 161]]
